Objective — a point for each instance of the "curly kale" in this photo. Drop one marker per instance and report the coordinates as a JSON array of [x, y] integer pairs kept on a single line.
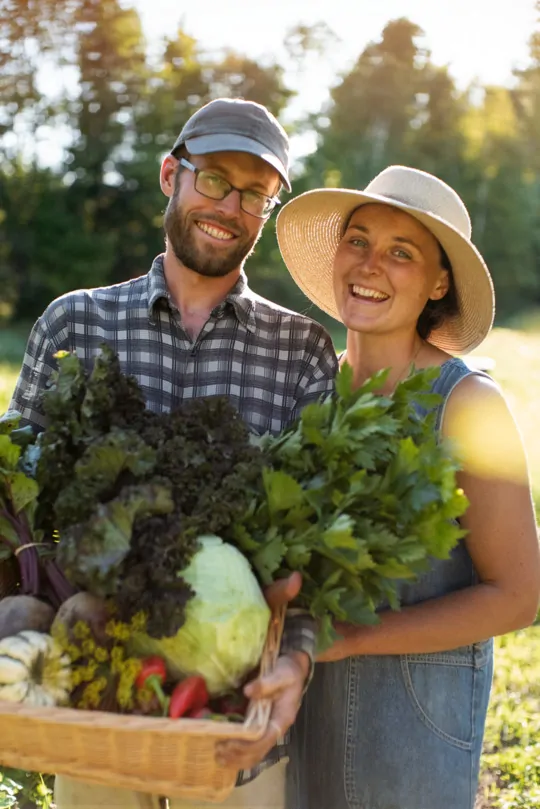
[[130, 490]]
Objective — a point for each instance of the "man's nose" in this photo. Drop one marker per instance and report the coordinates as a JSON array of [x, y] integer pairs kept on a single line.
[[230, 205]]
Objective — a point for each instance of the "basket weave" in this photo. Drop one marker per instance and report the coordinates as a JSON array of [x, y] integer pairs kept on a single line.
[[146, 754]]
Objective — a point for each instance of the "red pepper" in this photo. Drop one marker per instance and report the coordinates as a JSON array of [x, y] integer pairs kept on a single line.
[[153, 674], [188, 696]]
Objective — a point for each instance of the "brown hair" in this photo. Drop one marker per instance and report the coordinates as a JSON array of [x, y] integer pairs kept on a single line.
[[436, 312]]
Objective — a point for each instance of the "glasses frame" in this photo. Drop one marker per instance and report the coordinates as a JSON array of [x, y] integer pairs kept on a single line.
[[196, 171]]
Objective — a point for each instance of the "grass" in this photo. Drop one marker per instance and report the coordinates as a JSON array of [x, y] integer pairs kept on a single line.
[[511, 760], [8, 377]]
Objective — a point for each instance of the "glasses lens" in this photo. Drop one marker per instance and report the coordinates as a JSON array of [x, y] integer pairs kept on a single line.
[[211, 185], [257, 204]]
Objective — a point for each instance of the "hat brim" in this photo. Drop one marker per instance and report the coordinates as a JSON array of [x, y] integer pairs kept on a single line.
[[310, 227], [209, 144]]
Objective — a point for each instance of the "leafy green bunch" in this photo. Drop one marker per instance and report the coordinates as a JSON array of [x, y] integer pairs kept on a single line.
[[29, 554], [359, 494], [130, 490]]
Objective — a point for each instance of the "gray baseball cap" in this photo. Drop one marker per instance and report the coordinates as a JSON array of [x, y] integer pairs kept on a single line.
[[236, 125]]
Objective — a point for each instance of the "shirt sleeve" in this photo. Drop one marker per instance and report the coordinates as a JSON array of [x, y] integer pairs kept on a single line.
[[38, 364], [300, 635], [321, 369]]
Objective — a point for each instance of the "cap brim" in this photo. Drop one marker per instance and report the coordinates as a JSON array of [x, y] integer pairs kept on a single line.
[[310, 227], [208, 144]]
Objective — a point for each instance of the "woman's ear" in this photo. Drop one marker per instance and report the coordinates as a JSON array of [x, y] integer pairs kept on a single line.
[[441, 287]]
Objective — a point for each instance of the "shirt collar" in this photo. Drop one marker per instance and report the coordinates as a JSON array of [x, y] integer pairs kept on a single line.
[[240, 298]]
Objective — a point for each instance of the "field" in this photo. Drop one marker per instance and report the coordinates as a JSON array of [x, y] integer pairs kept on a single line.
[[511, 761]]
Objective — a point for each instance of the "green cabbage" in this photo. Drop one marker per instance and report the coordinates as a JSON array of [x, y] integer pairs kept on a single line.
[[226, 623]]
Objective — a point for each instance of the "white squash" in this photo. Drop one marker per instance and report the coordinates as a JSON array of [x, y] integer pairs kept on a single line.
[[34, 670]]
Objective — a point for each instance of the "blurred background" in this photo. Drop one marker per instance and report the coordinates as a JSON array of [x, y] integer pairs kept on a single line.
[[94, 92]]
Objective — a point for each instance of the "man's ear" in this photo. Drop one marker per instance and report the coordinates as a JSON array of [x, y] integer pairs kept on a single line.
[[167, 174], [441, 287]]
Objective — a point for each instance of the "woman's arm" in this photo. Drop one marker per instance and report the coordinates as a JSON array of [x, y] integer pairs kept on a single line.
[[502, 541]]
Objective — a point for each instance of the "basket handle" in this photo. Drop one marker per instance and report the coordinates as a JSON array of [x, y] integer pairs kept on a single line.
[[259, 711]]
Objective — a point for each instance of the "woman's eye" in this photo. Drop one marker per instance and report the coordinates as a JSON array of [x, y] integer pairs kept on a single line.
[[402, 253], [358, 242]]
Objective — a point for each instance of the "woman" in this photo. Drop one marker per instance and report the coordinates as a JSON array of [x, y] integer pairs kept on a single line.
[[394, 719]]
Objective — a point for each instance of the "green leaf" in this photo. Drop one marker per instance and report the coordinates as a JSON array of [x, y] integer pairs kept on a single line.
[[9, 421], [343, 381], [91, 553], [340, 534], [8, 532], [282, 490], [359, 609], [326, 634], [267, 560], [9, 455], [393, 569], [23, 491]]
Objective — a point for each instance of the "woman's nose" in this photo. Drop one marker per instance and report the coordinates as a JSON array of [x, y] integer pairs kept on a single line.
[[372, 263]]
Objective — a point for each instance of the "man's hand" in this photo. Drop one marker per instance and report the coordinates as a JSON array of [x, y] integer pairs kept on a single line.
[[284, 686], [282, 591]]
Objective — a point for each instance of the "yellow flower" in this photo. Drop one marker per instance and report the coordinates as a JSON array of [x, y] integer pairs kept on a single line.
[[138, 622], [88, 647], [117, 630], [101, 654], [81, 630]]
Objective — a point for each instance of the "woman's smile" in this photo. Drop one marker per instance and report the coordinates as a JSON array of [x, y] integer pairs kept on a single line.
[[367, 294]]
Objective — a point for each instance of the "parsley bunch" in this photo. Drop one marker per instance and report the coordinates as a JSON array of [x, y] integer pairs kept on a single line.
[[357, 495]]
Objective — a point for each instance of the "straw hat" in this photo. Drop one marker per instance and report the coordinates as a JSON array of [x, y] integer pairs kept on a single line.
[[310, 227]]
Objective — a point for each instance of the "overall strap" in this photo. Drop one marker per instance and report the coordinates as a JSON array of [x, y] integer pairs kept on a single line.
[[452, 373]]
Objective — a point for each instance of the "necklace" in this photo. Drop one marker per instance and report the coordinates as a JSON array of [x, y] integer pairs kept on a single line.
[[411, 362]]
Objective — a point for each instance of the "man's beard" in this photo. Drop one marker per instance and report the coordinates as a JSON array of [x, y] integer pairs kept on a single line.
[[204, 260]]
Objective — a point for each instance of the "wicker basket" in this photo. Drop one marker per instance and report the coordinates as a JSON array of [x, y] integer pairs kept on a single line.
[[145, 754]]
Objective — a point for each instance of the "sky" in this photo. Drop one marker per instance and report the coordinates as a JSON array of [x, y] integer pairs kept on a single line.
[[477, 39], [480, 40]]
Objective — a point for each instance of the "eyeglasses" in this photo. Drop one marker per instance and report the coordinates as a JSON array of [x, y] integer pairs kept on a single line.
[[215, 187]]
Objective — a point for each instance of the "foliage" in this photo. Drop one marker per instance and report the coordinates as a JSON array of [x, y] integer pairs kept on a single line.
[[25, 790], [511, 761], [102, 203], [358, 496], [38, 573], [130, 490]]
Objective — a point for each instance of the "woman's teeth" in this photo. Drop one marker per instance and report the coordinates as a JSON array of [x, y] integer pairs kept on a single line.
[[364, 292], [217, 233]]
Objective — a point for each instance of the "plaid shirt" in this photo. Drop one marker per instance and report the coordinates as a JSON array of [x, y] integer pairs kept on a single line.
[[269, 361]]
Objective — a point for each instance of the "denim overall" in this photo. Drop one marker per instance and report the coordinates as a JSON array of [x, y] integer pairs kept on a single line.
[[397, 731]]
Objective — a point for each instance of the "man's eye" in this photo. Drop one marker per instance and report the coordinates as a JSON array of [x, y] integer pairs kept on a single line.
[[254, 197], [214, 180]]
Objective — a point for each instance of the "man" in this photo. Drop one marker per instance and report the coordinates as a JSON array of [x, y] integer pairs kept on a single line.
[[192, 327]]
